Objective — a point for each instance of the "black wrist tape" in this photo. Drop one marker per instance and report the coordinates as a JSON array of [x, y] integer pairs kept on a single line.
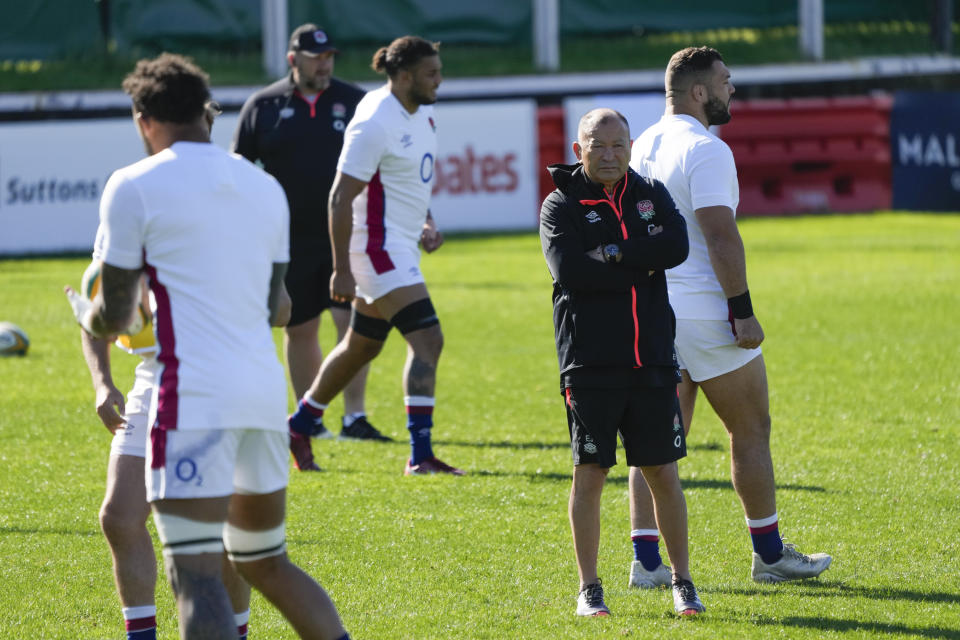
[[740, 305]]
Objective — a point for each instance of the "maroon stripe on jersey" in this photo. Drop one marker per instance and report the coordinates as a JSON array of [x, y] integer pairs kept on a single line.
[[419, 410], [139, 624], [376, 229], [168, 399]]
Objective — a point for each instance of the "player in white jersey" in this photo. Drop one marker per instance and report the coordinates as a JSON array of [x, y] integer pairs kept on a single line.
[[718, 336], [211, 232], [124, 512], [379, 212]]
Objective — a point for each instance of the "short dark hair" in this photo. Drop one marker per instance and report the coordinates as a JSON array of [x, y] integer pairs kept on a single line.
[[689, 66], [169, 88], [403, 53]]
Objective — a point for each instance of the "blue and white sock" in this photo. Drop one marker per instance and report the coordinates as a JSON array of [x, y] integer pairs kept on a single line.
[[765, 534], [308, 416], [419, 423], [140, 622], [241, 619], [646, 548]]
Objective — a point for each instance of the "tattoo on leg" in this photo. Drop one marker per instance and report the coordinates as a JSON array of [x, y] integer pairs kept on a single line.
[[421, 377]]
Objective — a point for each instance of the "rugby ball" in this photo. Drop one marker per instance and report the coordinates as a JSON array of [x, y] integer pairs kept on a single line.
[[13, 340]]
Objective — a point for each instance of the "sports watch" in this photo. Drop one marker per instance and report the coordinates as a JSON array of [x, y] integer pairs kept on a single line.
[[611, 253]]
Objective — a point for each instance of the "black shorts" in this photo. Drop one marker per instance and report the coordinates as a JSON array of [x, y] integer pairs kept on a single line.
[[308, 283], [647, 419]]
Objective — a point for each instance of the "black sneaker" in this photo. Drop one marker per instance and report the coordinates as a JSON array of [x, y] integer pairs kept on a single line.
[[361, 429], [590, 601], [686, 602]]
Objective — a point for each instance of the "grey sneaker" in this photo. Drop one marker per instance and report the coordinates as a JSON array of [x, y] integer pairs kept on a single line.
[[686, 602], [640, 578], [320, 431], [792, 565], [590, 601], [361, 429]]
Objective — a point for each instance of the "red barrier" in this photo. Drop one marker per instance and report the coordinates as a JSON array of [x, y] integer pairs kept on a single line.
[[811, 154], [551, 145]]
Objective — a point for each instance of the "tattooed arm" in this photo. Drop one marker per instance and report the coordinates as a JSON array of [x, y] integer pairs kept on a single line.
[[114, 305]]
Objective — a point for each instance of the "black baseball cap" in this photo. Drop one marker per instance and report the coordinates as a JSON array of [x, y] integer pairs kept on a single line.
[[311, 40]]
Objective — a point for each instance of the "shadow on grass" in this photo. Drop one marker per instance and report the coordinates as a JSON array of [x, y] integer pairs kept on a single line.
[[688, 483], [510, 444], [863, 626], [29, 531], [829, 589]]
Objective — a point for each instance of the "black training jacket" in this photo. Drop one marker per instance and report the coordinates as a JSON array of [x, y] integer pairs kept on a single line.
[[299, 144], [611, 314]]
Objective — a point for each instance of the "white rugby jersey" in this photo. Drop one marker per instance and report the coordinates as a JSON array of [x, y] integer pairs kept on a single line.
[[206, 226], [393, 151], [698, 169]]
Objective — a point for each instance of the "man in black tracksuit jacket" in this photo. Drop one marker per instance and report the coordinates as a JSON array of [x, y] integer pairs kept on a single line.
[[607, 235], [294, 128]]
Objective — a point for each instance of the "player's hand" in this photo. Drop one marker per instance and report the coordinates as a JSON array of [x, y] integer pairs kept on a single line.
[[748, 332], [110, 407], [342, 286], [430, 238], [81, 306]]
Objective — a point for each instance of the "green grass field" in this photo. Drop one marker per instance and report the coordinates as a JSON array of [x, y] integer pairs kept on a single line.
[[861, 316]]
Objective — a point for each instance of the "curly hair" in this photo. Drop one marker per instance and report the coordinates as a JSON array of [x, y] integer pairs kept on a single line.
[[403, 53], [169, 88], [689, 66]]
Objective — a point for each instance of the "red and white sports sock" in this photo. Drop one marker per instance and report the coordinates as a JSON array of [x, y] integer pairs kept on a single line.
[[140, 622], [242, 619]]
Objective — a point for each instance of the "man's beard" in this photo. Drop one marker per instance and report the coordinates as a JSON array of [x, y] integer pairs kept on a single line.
[[716, 111], [421, 97]]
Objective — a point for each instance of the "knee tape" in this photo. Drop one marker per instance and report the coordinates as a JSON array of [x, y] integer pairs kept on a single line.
[[416, 315], [184, 536], [246, 546], [373, 328]]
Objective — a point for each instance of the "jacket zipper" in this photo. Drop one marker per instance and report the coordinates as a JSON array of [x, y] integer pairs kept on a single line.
[[618, 210]]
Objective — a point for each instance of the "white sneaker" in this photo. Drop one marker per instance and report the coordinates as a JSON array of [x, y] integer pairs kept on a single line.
[[686, 602], [640, 578], [590, 601], [792, 565]]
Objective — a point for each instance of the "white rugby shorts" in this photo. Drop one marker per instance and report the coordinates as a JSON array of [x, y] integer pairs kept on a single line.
[[211, 463], [708, 348], [372, 285], [131, 440]]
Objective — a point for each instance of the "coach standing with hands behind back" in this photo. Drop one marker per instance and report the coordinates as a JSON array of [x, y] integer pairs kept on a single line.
[[295, 128], [607, 235]]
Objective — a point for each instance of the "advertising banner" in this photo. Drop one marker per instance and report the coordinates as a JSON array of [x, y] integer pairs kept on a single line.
[[640, 110], [925, 151], [52, 173], [486, 166]]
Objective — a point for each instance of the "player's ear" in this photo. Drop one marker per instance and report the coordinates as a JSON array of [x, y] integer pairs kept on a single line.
[[291, 56], [577, 149]]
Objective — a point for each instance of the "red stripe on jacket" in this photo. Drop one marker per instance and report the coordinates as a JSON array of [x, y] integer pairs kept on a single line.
[[618, 209]]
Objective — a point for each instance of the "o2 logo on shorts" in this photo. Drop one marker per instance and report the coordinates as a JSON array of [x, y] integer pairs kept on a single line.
[[426, 167], [186, 471]]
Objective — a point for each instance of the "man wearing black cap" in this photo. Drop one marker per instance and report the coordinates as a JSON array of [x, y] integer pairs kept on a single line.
[[294, 127]]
